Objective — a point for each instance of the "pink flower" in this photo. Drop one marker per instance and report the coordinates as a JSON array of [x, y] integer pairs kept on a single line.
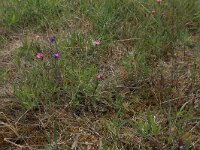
[[96, 42], [159, 1], [100, 76], [40, 55]]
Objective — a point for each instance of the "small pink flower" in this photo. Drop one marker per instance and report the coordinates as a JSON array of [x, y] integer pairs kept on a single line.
[[40, 55], [159, 1], [96, 42], [100, 76]]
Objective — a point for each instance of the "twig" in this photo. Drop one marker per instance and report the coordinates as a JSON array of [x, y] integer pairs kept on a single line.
[[127, 39], [10, 127], [7, 140], [21, 116], [174, 99]]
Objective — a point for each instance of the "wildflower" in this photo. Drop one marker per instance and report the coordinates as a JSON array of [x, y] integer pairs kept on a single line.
[[52, 39], [57, 56], [99, 76], [159, 1], [96, 42], [40, 55]]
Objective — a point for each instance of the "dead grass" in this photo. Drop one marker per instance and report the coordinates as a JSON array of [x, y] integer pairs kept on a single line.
[[171, 93], [75, 127]]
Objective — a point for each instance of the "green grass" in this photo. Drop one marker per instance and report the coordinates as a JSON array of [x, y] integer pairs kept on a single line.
[[37, 14], [148, 97]]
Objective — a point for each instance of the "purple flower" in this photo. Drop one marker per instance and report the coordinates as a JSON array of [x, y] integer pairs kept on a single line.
[[57, 56], [52, 39]]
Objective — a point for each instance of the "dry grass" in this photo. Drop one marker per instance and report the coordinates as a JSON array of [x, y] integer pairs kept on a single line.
[[77, 127], [142, 103]]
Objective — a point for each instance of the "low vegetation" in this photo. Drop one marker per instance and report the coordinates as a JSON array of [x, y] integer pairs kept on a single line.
[[104, 75]]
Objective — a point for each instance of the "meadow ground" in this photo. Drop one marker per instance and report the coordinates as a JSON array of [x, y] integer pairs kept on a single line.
[[99, 74]]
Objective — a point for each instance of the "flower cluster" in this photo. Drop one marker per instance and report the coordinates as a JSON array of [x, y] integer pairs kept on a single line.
[[52, 40], [41, 55]]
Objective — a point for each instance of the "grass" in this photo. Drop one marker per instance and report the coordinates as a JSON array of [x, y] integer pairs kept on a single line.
[[32, 13], [137, 89]]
